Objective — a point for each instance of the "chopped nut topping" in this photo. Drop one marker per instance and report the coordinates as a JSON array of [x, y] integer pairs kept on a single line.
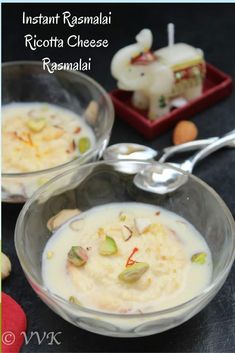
[[141, 224], [36, 125], [56, 221], [134, 272], [50, 254], [6, 266], [74, 300], [127, 232], [122, 217], [84, 144], [77, 225], [108, 246], [199, 258], [91, 112], [77, 256]]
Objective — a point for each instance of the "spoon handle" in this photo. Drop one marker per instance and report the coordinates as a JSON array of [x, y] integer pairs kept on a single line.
[[186, 147], [214, 146]]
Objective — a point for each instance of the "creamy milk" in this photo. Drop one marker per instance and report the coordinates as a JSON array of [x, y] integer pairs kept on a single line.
[[164, 240], [37, 136]]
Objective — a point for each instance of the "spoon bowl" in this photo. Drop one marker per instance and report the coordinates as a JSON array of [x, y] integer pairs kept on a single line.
[[160, 179], [129, 151]]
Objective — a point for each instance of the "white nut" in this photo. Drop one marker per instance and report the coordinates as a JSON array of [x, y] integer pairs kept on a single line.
[[91, 112], [77, 225], [56, 221], [6, 266]]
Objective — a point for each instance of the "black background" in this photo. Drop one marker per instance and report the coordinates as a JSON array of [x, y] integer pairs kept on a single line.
[[208, 26]]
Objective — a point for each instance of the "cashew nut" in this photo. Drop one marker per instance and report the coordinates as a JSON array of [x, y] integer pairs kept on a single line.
[[56, 221], [6, 266]]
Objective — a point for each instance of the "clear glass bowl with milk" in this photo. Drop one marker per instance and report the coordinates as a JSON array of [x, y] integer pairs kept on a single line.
[[26, 83], [105, 183]]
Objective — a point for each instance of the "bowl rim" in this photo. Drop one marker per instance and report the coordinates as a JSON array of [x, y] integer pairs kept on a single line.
[[82, 159], [79, 308]]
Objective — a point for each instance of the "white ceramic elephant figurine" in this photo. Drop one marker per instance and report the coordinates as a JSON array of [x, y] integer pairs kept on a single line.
[[157, 77]]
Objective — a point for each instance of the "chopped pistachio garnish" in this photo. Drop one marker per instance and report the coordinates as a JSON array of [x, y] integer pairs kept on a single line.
[[199, 258], [74, 300], [42, 181], [122, 217], [77, 256], [134, 272], [50, 255], [84, 144], [108, 246], [36, 125]]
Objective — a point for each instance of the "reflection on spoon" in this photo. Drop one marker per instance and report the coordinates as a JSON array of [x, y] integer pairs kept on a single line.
[[160, 178], [129, 151], [139, 152]]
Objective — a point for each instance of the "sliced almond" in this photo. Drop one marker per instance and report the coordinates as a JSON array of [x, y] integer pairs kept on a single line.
[[77, 225], [126, 232], [56, 221], [52, 133], [141, 224]]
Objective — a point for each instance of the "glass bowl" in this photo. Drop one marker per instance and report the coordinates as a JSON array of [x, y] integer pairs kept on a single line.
[[28, 82], [104, 182]]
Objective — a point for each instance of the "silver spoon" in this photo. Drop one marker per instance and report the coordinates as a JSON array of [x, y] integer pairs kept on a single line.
[[141, 152], [226, 140], [129, 151], [162, 179]]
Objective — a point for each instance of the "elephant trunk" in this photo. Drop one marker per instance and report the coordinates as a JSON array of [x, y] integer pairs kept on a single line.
[[121, 62]]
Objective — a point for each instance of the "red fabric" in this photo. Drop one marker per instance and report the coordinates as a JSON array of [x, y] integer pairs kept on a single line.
[[13, 324]]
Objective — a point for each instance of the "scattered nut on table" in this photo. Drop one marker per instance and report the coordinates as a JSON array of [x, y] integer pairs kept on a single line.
[[61, 217], [184, 131], [6, 266]]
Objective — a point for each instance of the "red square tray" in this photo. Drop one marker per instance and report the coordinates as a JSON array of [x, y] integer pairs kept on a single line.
[[217, 86]]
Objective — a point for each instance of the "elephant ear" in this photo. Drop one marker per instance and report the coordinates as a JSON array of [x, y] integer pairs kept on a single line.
[[144, 39]]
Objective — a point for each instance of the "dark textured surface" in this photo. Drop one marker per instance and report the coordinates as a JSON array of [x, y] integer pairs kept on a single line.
[[210, 27]]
